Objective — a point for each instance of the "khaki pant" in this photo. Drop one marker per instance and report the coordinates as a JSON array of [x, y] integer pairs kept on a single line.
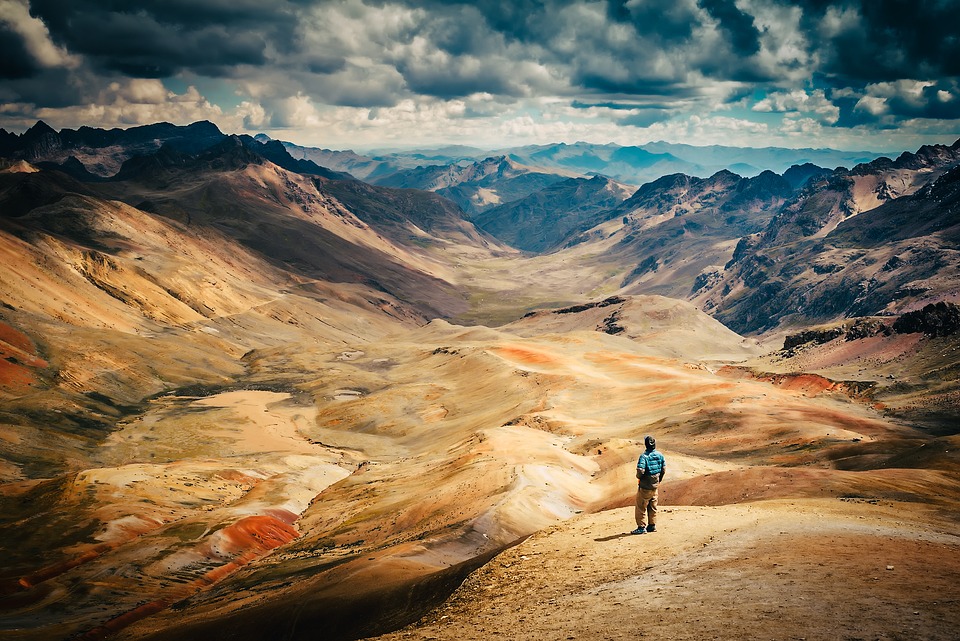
[[646, 507]]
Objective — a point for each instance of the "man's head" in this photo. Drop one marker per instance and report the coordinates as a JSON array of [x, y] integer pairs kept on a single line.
[[650, 442]]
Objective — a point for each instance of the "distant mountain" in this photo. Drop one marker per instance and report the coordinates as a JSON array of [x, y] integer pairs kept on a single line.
[[633, 165], [476, 186], [298, 220], [799, 175], [674, 229], [404, 214], [354, 164], [546, 219], [749, 161], [103, 151]]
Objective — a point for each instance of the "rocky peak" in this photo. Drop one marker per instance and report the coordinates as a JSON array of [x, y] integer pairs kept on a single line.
[[800, 175], [724, 178], [39, 129]]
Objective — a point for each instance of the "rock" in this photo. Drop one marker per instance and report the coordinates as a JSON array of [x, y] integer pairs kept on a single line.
[[936, 319]]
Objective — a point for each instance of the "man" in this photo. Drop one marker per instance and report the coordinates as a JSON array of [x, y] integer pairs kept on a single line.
[[650, 470]]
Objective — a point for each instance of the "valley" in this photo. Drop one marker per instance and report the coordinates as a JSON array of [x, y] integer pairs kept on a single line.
[[245, 397]]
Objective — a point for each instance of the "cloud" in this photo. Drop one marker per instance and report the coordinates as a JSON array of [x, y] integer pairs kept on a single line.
[[885, 40], [159, 38], [892, 101], [800, 101], [25, 43], [739, 26], [134, 102], [611, 67]]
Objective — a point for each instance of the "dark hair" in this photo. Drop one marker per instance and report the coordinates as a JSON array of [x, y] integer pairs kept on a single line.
[[650, 442]]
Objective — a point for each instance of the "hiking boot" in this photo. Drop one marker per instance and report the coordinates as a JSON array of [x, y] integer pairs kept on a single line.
[[651, 528], [639, 530]]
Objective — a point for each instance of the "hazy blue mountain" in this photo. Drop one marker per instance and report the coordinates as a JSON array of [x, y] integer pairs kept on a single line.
[[633, 165], [776, 159]]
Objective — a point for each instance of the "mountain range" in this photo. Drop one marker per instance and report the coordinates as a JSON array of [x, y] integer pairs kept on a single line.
[[251, 389]]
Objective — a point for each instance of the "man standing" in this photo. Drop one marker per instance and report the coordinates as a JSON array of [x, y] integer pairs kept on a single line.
[[650, 470]]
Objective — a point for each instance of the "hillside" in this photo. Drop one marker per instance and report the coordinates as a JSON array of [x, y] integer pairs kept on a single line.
[[880, 239], [546, 219], [477, 186], [782, 569]]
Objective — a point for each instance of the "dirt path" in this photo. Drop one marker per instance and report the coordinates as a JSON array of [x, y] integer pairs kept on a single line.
[[797, 569]]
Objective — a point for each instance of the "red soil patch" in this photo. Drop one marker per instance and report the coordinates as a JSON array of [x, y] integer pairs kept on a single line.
[[804, 383], [261, 533], [18, 355], [16, 339], [89, 554], [249, 539], [524, 355], [14, 376]]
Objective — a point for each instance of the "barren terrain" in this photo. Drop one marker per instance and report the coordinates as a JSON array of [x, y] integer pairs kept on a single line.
[[204, 441]]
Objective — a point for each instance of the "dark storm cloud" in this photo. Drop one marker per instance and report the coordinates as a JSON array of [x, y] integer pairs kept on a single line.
[[738, 26], [662, 20], [15, 61], [159, 38], [53, 88], [882, 40]]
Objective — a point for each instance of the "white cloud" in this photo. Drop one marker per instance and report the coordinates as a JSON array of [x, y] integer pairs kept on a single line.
[[873, 105], [135, 102], [799, 101]]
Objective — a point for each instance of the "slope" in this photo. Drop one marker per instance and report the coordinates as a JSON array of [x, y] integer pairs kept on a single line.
[[835, 253], [545, 219], [477, 186], [292, 219]]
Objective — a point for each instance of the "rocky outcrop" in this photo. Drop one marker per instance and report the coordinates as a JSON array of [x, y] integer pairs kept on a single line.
[[938, 319]]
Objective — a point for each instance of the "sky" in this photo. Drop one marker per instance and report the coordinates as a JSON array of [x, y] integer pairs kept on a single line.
[[874, 75]]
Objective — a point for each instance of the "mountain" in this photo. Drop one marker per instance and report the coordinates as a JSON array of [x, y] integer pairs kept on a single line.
[[633, 165], [102, 152], [673, 230], [775, 159], [545, 219], [799, 175], [877, 239], [295, 218], [380, 165], [476, 186], [349, 162]]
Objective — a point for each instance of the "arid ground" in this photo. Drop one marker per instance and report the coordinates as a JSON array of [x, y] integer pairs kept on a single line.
[[200, 443]]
